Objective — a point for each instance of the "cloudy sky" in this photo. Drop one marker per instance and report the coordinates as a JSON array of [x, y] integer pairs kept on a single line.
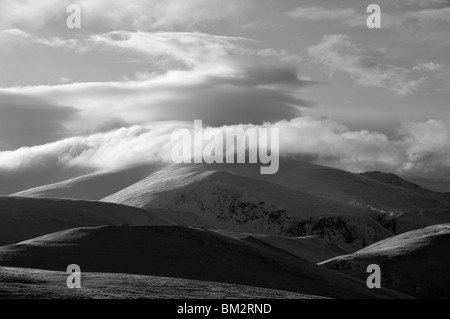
[[74, 101]]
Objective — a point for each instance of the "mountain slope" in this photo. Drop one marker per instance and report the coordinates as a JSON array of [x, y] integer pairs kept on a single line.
[[399, 208], [338, 185], [175, 251], [313, 248], [395, 180], [93, 186], [416, 263], [232, 202], [434, 185], [26, 218]]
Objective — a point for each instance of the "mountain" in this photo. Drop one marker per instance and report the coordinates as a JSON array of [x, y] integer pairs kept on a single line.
[[395, 180], [338, 185], [302, 199], [20, 283], [441, 186], [93, 186], [180, 252], [416, 263], [306, 177], [26, 218], [236, 203]]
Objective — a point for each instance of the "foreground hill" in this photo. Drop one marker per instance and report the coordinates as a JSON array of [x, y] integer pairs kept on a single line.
[[26, 218], [21, 283], [188, 253], [416, 263]]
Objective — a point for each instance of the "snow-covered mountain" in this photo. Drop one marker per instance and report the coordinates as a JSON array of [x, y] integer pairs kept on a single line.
[[302, 199], [232, 202]]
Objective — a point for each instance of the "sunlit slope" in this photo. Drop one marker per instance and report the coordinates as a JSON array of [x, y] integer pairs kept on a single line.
[[94, 186], [416, 263], [232, 202]]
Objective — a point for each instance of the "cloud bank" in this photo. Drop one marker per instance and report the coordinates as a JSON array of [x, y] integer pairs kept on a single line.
[[419, 149]]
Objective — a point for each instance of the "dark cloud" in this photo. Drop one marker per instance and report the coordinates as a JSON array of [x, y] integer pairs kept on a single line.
[[111, 124], [27, 121]]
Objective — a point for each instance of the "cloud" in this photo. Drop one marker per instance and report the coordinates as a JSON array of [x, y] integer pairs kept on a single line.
[[420, 148], [119, 14], [193, 49], [410, 13], [367, 67], [26, 121], [426, 148], [33, 166], [261, 25], [428, 67], [319, 14], [346, 16], [10, 39], [221, 80], [420, 4], [436, 15]]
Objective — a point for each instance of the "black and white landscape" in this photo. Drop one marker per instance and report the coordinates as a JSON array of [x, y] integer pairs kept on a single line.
[[88, 114]]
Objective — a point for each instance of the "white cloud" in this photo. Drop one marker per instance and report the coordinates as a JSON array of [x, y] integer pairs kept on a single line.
[[420, 148], [367, 67], [193, 49], [426, 147]]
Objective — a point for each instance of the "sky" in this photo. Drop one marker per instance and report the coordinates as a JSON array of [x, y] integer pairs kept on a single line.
[[75, 101]]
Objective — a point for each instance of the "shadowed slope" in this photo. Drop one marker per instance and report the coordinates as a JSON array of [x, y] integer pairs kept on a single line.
[[26, 218], [175, 251]]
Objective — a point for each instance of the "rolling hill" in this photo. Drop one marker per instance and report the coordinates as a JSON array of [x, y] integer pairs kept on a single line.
[[21, 283], [26, 218], [416, 263], [180, 252]]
